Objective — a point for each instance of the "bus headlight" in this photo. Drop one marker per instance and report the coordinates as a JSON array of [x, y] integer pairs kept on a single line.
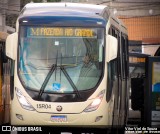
[[96, 102], [23, 101]]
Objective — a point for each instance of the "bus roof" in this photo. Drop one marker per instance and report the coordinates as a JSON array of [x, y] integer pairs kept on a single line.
[[51, 9]]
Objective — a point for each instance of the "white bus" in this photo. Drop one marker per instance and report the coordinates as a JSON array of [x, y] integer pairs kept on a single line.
[[70, 65]]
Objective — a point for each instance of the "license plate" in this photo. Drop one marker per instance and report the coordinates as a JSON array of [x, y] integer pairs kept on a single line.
[[61, 118]]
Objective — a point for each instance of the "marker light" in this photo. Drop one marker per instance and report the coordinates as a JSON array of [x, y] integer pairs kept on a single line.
[[96, 102], [23, 101], [98, 118], [19, 116], [25, 21]]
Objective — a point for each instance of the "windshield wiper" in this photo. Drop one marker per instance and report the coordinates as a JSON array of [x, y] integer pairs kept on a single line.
[[46, 80], [54, 68], [49, 76], [70, 81]]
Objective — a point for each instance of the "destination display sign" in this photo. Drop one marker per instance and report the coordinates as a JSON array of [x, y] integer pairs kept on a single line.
[[60, 32], [137, 60]]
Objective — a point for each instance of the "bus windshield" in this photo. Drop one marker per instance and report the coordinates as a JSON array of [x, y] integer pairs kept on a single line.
[[75, 52]]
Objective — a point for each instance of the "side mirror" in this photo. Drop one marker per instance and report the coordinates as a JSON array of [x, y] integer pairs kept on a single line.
[[11, 45], [112, 48]]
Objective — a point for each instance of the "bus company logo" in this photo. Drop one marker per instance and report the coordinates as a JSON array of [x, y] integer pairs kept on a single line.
[[59, 108]]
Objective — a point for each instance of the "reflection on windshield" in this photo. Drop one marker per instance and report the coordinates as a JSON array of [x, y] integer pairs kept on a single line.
[[81, 58]]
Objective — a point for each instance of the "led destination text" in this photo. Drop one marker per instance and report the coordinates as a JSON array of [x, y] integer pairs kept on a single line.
[[74, 32]]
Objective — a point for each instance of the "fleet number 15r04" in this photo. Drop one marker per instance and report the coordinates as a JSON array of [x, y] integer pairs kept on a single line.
[[45, 106]]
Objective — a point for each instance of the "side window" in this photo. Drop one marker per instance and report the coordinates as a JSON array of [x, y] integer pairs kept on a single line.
[[119, 67], [127, 57], [113, 32], [123, 55], [124, 47], [111, 75]]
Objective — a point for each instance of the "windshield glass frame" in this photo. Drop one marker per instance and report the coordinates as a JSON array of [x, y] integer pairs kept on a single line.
[[33, 89]]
